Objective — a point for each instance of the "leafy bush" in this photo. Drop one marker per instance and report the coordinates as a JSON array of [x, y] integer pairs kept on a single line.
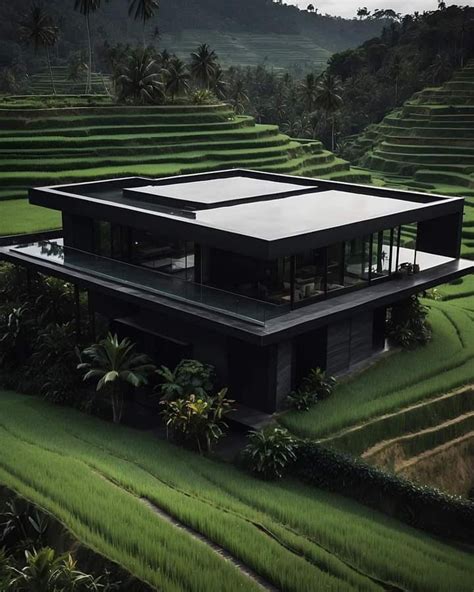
[[301, 400], [203, 97], [198, 421], [316, 386], [420, 506], [45, 571], [190, 377], [408, 325], [269, 452]]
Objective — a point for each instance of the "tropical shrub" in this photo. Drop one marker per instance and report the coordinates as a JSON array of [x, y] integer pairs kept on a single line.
[[408, 325], [16, 328], [198, 421], [270, 452], [190, 377], [115, 364], [203, 97], [301, 400], [314, 387], [45, 571]]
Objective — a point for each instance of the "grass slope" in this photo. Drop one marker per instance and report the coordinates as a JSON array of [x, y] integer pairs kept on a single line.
[[94, 477], [395, 382], [60, 140]]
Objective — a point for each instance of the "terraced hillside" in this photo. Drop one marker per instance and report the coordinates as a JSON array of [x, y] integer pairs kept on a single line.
[[252, 49], [41, 146], [40, 84]]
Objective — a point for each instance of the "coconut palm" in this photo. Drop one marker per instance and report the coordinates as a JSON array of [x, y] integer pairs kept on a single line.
[[115, 364], [329, 99], [176, 77], [139, 81], [308, 91], [239, 97], [218, 83], [143, 10], [39, 29], [203, 64], [86, 8]]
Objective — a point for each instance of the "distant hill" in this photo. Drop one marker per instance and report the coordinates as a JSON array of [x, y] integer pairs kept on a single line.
[[244, 32]]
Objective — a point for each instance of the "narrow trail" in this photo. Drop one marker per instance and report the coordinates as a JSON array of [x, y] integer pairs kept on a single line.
[[220, 551]]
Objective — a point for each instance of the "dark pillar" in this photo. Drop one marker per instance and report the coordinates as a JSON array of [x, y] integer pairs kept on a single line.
[[441, 236], [91, 311]]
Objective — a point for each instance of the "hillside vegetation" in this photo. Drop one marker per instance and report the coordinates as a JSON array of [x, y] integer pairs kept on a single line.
[[428, 145], [247, 31], [180, 522], [56, 144]]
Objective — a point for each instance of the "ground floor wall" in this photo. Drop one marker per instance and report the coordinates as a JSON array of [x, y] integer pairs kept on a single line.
[[257, 376]]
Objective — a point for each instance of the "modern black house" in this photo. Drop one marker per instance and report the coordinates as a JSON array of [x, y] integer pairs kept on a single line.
[[264, 276]]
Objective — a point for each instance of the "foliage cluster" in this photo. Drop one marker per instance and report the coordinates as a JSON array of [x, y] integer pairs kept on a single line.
[[314, 387], [270, 452], [420, 506], [408, 324], [197, 421], [37, 339], [28, 564]]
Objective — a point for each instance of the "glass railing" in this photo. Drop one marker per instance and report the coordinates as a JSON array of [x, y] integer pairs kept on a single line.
[[242, 307]]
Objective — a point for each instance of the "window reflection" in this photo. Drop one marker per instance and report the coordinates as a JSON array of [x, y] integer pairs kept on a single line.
[[356, 261], [310, 274], [335, 267]]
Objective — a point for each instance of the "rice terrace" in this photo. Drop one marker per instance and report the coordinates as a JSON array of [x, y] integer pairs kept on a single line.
[[236, 296]]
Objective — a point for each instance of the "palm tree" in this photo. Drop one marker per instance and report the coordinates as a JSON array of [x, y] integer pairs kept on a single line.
[[203, 64], [139, 80], [329, 99], [239, 97], [218, 83], [86, 7], [114, 364], [39, 29], [144, 10], [176, 77], [308, 91]]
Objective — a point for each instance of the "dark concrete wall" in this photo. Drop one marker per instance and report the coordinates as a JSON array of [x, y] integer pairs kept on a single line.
[[441, 236], [349, 342]]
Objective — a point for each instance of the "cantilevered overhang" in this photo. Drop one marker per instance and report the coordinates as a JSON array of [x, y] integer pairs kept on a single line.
[[277, 329], [277, 215]]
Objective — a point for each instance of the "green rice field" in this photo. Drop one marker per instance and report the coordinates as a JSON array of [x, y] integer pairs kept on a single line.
[[54, 140], [141, 502]]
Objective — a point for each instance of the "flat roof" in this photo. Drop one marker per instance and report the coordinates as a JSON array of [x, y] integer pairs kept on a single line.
[[259, 214], [214, 191], [301, 214]]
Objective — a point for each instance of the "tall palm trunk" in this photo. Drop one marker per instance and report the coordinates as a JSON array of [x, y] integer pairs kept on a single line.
[[333, 126], [89, 72], [48, 58]]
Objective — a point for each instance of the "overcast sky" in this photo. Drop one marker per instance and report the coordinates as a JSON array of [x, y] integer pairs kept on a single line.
[[348, 8]]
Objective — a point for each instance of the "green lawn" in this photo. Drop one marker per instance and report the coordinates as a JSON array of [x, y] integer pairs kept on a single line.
[[93, 476], [18, 216]]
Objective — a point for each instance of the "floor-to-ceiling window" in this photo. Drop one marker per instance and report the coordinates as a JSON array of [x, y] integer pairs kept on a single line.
[[310, 274], [356, 262]]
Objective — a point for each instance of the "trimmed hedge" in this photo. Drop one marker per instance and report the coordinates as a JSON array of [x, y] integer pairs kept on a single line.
[[419, 506]]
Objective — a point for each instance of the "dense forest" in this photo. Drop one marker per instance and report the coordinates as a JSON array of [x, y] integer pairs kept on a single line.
[[360, 85], [110, 24]]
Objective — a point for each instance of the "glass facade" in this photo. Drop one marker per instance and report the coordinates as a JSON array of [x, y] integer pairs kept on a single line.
[[292, 280]]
